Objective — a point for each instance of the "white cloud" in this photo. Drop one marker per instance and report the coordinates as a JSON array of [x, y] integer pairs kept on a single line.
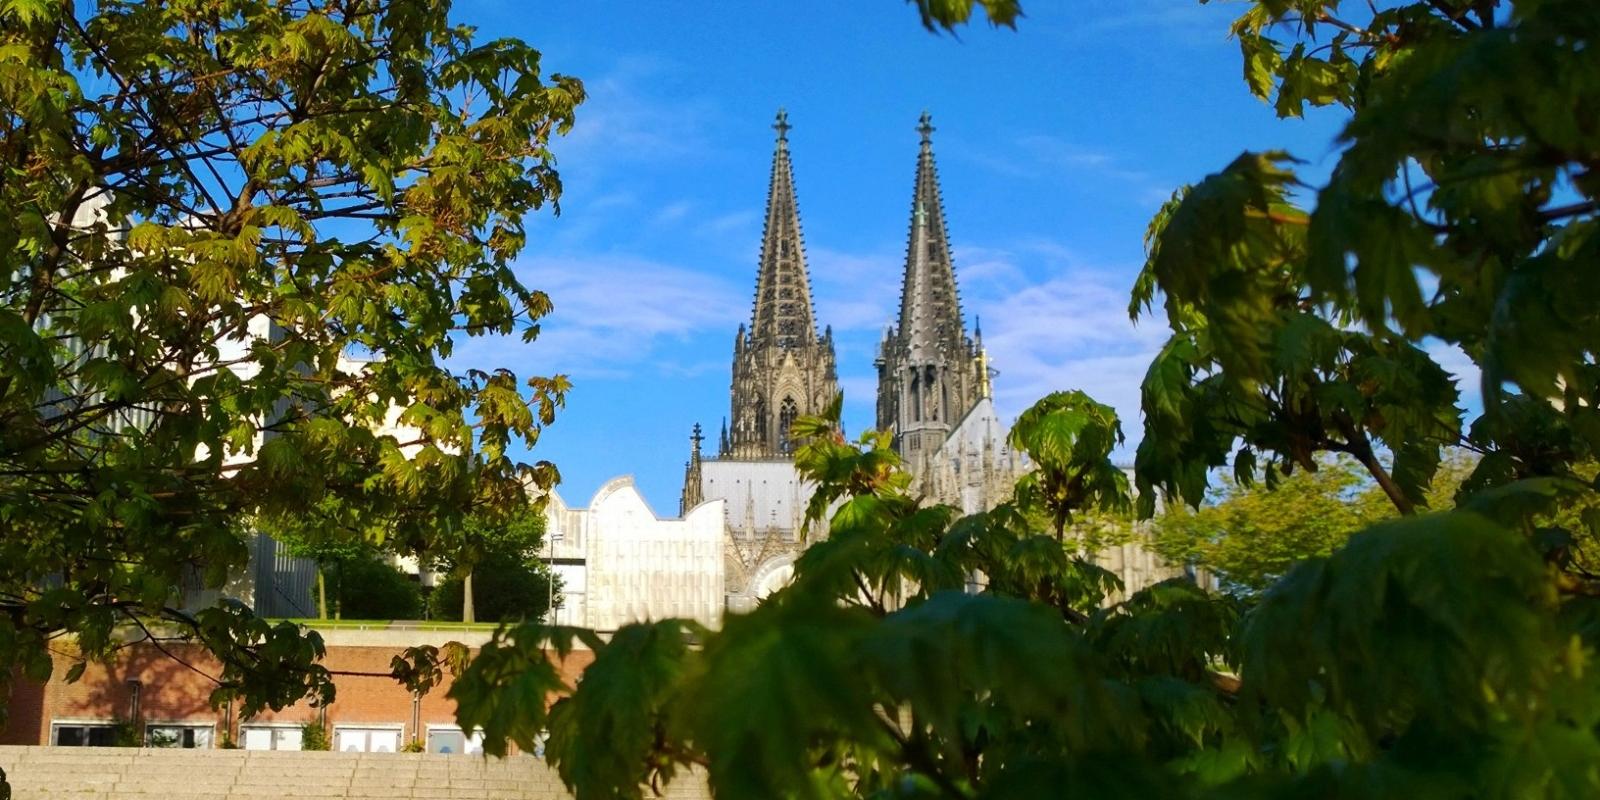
[[1040, 156], [626, 118], [613, 314], [854, 291], [1069, 332]]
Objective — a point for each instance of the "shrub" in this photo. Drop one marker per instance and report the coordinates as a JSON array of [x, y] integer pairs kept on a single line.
[[314, 736], [504, 588], [374, 589]]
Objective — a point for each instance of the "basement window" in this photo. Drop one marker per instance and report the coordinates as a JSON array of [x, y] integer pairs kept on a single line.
[[84, 734], [270, 737], [187, 737], [377, 739], [451, 740]]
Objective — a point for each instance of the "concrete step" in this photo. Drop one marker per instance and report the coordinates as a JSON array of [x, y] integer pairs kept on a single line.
[[44, 773]]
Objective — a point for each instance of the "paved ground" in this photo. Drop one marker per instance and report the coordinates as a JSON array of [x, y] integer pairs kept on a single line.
[[102, 773]]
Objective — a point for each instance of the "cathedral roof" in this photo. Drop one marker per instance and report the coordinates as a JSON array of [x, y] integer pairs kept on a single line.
[[783, 289], [930, 307]]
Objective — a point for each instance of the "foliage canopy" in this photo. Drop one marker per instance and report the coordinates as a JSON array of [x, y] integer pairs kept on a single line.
[[1445, 652], [1448, 652], [205, 209]]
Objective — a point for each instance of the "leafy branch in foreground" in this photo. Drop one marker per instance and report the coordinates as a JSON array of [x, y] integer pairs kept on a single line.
[[1445, 653], [206, 209]]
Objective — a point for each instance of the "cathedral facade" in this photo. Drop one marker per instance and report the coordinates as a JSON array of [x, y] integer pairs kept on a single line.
[[933, 377], [782, 370], [741, 521], [933, 389]]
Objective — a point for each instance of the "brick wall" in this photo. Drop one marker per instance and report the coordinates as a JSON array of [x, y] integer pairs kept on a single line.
[[176, 688]]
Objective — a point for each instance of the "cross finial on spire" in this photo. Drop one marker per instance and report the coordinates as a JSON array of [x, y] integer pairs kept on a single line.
[[782, 126], [696, 437], [925, 127]]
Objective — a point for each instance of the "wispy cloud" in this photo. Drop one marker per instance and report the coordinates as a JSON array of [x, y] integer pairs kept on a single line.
[[672, 213], [860, 391], [1041, 156], [727, 225], [991, 269], [614, 314], [1051, 322], [629, 117], [1173, 21], [854, 291]]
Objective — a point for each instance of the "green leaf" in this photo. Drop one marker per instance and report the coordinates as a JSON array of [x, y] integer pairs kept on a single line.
[[603, 738]]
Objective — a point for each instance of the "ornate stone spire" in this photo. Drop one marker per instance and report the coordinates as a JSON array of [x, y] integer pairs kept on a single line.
[[693, 491], [930, 373], [930, 309], [783, 288], [781, 369]]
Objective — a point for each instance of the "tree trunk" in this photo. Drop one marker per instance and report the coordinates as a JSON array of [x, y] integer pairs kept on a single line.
[[467, 614], [322, 594]]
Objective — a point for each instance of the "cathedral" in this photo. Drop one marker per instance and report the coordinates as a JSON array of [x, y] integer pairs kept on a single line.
[[741, 520], [933, 389]]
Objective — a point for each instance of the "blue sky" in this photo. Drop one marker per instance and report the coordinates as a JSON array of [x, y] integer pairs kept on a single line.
[[1055, 143]]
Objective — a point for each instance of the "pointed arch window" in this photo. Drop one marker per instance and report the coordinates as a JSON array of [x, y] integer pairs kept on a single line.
[[915, 398], [788, 412]]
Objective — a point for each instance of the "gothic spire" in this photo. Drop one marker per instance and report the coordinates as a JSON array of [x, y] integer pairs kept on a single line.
[[930, 309], [783, 289], [693, 490]]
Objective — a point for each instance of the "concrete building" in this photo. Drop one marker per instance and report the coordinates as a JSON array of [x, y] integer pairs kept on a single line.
[[621, 563]]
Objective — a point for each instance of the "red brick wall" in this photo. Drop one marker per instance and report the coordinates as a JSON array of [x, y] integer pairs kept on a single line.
[[24, 713], [172, 692]]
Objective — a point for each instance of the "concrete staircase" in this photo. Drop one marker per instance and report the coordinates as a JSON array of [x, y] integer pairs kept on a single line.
[[103, 773]]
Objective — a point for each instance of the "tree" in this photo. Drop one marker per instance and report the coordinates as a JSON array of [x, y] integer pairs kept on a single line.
[[1251, 536], [1445, 652], [504, 549], [509, 543], [327, 535], [1070, 438], [207, 208], [508, 589]]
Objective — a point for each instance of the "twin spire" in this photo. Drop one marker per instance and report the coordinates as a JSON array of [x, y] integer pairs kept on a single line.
[[930, 373], [930, 308]]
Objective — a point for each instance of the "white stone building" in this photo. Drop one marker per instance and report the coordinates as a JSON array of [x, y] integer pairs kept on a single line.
[[621, 563]]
